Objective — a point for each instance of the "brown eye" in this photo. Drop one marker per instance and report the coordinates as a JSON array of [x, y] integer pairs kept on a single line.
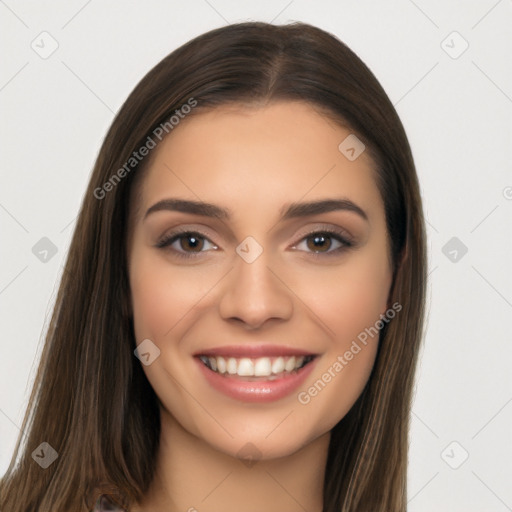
[[319, 242], [327, 242], [186, 244], [191, 242]]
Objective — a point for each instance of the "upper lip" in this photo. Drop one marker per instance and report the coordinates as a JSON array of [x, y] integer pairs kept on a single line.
[[251, 351]]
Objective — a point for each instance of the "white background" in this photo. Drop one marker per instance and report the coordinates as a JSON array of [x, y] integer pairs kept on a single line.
[[458, 116]]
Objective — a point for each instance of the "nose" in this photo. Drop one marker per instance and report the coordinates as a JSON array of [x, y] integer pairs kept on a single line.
[[255, 293]]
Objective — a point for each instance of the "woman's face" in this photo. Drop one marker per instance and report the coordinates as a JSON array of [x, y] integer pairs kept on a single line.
[[266, 276]]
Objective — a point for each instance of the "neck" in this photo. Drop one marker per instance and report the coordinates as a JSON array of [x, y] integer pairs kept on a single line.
[[192, 476]]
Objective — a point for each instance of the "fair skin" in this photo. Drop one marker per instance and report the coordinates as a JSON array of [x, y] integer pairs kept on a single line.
[[254, 161]]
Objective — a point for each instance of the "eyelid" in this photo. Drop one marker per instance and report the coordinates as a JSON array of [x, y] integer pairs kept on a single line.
[[165, 239], [330, 229], [345, 240], [341, 235]]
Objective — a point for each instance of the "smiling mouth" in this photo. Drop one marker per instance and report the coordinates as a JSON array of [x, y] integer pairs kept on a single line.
[[256, 369]]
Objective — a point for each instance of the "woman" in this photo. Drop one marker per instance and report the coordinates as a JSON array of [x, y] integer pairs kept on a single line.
[[242, 308]]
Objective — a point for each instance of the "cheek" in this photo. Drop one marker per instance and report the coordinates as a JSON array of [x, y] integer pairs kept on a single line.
[[163, 295], [349, 302], [350, 299], [356, 307]]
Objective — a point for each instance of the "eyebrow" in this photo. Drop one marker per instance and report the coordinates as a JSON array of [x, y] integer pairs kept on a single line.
[[289, 211]]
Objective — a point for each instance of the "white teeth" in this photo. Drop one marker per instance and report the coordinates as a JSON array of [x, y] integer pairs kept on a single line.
[[260, 367], [278, 365], [231, 366], [245, 367], [290, 364], [221, 365]]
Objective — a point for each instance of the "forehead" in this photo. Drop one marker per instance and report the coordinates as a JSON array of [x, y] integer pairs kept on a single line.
[[255, 157]]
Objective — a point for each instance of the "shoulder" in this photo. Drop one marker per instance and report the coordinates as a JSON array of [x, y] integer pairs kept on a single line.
[[104, 504]]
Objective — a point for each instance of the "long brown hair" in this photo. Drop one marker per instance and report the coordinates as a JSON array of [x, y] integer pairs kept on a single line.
[[91, 401]]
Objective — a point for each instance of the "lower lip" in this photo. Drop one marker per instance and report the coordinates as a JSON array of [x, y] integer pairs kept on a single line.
[[256, 391]]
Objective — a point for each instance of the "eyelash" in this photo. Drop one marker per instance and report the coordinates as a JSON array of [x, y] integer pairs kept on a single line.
[[341, 237]]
